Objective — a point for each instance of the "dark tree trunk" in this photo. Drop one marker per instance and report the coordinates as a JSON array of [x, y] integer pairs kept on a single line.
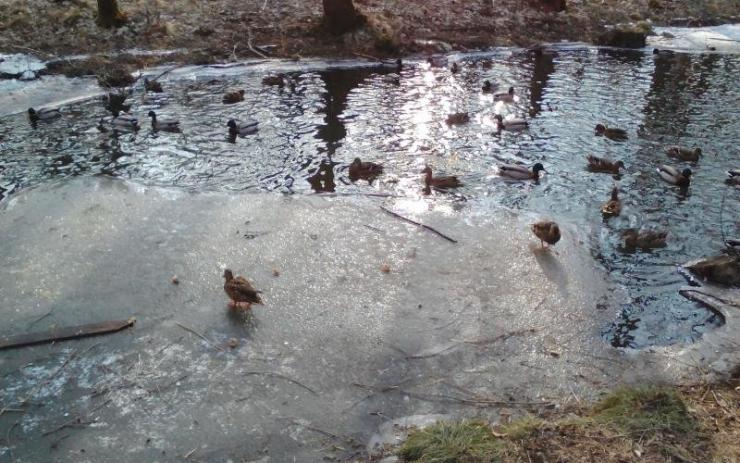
[[109, 15], [550, 6], [341, 16]]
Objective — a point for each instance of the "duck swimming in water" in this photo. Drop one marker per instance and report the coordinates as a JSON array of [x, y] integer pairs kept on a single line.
[[125, 122], [242, 128], [166, 125], [683, 153], [596, 164], [733, 177], [675, 177], [507, 97], [233, 97], [510, 124], [519, 172], [457, 119], [643, 239], [439, 182], [613, 207], [611, 133], [152, 86], [43, 114], [364, 170]]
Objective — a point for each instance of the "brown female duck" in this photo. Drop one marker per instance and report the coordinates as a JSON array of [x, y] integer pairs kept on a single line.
[[596, 164], [439, 182], [643, 239], [611, 133], [547, 231], [457, 119], [613, 207], [683, 153], [233, 97], [152, 86], [364, 170], [240, 291]]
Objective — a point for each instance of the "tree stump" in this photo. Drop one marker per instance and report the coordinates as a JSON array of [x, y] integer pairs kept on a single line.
[[341, 16], [109, 15]]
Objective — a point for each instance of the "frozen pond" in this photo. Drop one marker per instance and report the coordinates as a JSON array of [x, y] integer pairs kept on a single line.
[[95, 224], [339, 346]]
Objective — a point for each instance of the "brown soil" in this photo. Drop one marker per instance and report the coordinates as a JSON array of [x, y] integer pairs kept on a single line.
[[219, 30], [714, 408]]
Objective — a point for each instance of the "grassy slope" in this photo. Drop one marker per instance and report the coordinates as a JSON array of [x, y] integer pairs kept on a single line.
[[653, 425]]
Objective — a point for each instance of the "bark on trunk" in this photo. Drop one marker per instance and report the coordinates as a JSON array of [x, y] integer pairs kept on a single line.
[[109, 15], [341, 16], [550, 6]]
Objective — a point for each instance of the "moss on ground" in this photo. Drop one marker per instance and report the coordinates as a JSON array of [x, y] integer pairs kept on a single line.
[[650, 424]]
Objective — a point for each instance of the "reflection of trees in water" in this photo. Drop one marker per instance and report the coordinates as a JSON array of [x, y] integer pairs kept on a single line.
[[543, 69], [679, 84], [675, 92], [338, 83]]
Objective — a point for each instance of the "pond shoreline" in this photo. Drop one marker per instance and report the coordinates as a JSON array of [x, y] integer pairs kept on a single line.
[[225, 32]]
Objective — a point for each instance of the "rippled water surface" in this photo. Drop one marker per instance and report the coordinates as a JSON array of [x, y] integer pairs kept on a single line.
[[311, 129]]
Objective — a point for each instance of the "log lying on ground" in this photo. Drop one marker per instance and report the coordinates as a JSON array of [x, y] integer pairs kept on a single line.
[[63, 334]]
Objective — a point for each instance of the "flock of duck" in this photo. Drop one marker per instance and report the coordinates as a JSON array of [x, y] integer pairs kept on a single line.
[[241, 292]]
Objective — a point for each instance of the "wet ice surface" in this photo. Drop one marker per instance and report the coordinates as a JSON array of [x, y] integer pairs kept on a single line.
[[720, 39], [446, 322], [335, 111], [338, 347]]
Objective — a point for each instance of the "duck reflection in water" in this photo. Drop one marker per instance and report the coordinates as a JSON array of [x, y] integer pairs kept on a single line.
[[323, 179]]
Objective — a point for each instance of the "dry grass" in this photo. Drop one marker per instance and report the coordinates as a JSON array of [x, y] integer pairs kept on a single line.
[[651, 425], [220, 27]]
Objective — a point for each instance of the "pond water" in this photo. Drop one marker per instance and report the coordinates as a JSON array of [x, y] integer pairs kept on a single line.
[[332, 112]]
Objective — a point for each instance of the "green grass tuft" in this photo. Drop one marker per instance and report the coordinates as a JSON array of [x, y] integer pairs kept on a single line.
[[460, 442], [523, 428], [645, 411]]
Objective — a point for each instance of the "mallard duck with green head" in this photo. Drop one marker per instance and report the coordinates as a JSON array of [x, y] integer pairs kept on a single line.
[[507, 97], [520, 172], [513, 124], [165, 125], [674, 176], [43, 114], [242, 128], [733, 177]]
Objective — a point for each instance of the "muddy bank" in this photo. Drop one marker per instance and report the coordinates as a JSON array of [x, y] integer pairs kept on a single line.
[[482, 327], [221, 30]]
